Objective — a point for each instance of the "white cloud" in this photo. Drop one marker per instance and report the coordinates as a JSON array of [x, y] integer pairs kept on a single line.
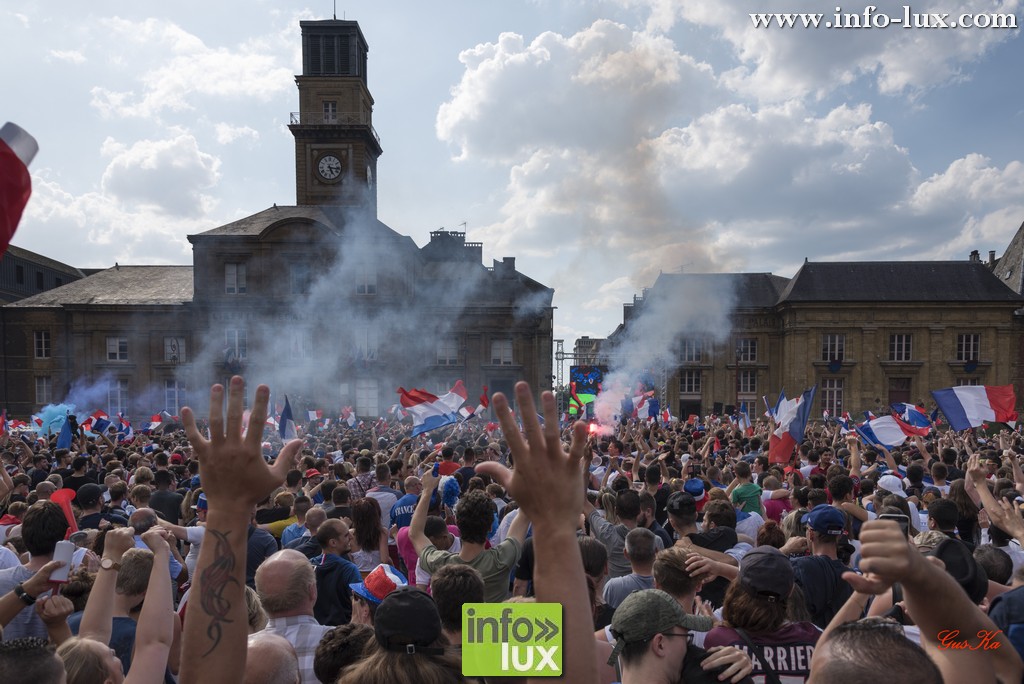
[[227, 134], [72, 56]]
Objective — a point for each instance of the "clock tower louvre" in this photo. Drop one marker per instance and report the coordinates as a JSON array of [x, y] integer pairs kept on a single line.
[[336, 146]]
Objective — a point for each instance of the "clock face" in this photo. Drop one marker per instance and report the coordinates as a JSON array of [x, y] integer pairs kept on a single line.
[[329, 167]]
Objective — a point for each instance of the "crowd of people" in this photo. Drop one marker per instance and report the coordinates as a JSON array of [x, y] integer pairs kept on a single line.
[[679, 552]]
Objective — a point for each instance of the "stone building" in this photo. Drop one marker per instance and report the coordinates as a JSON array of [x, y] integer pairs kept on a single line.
[[868, 334], [320, 300]]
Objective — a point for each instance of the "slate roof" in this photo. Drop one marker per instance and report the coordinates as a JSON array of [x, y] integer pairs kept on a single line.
[[121, 285], [43, 261], [753, 290], [1010, 267], [897, 281]]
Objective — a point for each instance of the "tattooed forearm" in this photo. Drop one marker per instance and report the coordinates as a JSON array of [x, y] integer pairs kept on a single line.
[[213, 581]]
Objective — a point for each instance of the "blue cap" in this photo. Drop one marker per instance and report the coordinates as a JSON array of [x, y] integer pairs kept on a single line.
[[695, 488], [825, 519], [201, 502], [194, 482]]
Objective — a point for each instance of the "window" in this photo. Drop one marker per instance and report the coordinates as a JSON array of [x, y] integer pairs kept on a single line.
[[968, 347], [19, 274], [44, 390], [117, 397], [174, 396], [330, 111], [301, 344], [747, 406], [693, 351], [689, 382], [117, 349], [900, 347], [365, 343], [968, 382], [41, 342], [300, 278], [501, 352], [234, 279], [366, 278], [39, 280], [833, 347], [832, 396], [174, 349], [748, 382], [367, 398], [448, 352], [235, 342], [746, 350]]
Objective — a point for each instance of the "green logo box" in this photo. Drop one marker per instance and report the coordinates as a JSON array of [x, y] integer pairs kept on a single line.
[[512, 639]]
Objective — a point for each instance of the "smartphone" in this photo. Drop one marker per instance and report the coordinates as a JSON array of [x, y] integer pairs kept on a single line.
[[904, 521], [63, 552], [436, 470]]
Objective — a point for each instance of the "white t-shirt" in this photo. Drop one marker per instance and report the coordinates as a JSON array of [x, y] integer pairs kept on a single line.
[[195, 536], [422, 576], [8, 559]]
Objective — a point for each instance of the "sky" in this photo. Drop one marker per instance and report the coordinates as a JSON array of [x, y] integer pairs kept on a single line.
[[599, 143]]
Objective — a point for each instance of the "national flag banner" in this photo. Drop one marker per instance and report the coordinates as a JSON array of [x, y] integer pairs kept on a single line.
[[348, 416], [65, 436], [792, 420], [868, 415], [485, 401], [100, 425], [491, 427], [455, 397], [427, 410], [125, 433], [315, 415], [3, 422], [915, 415], [780, 405], [844, 423], [286, 423], [887, 431], [692, 419], [744, 424], [971, 405], [467, 413], [825, 416], [37, 420]]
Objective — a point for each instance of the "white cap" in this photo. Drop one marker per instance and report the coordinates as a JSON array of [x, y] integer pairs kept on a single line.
[[21, 143]]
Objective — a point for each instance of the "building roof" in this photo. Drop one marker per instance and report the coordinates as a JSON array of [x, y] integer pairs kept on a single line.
[[37, 258], [752, 290], [1010, 267], [120, 285], [254, 225], [897, 281]]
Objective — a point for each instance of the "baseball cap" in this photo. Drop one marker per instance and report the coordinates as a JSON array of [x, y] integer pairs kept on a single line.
[[893, 484], [312, 472], [960, 563], [695, 488], [194, 482], [201, 502], [681, 503], [825, 519], [88, 495], [407, 621], [381, 581], [766, 572], [648, 612]]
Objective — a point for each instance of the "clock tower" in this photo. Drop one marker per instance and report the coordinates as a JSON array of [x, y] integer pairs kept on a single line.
[[336, 148]]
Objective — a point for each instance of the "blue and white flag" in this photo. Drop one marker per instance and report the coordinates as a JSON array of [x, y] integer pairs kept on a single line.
[[286, 424]]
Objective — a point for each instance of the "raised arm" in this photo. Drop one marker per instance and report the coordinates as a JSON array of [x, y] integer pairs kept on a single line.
[[235, 478], [155, 631], [546, 483], [98, 618], [419, 515]]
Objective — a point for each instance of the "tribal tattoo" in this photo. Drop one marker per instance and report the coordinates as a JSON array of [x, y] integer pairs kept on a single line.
[[214, 581]]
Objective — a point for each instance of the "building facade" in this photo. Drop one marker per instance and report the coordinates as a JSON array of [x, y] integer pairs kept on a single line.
[[867, 334], [320, 300]]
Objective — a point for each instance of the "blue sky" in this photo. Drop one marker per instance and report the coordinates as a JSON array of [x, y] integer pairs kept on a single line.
[[597, 142]]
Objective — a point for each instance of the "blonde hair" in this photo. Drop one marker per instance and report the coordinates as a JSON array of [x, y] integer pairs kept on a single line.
[[257, 617], [133, 577], [143, 475], [140, 493], [83, 662]]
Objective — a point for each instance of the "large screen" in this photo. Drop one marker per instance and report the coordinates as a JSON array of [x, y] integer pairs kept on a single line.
[[584, 386]]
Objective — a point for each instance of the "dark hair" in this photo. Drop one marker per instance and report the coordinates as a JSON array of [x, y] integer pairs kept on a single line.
[[721, 513], [42, 527], [595, 556], [996, 562], [293, 478], [434, 527], [382, 472], [743, 610], [741, 469], [363, 464], [939, 471], [670, 573], [339, 648], [653, 475], [79, 462], [474, 514], [627, 504], [840, 486], [915, 472], [29, 659], [771, 534], [945, 514], [894, 658], [162, 478], [341, 495], [366, 520], [801, 495], [452, 586], [816, 497]]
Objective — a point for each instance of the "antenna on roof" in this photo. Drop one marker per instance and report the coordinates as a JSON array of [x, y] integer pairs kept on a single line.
[[335, 10], [463, 224]]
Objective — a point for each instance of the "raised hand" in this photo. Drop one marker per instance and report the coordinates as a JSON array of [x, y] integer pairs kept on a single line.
[[886, 557], [235, 476]]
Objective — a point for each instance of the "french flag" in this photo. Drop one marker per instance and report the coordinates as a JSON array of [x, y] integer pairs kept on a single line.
[[427, 410], [286, 424], [913, 415], [970, 406], [348, 416], [125, 433], [455, 397], [315, 415], [887, 431], [792, 424]]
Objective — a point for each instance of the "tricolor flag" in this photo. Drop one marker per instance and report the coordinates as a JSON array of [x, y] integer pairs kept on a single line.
[[124, 429], [65, 436], [427, 410], [315, 415], [868, 415], [38, 420], [792, 424], [160, 421], [455, 397], [887, 431], [348, 416], [743, 422], [286, 424], [970, 406], [641, 406], [915, 415], [773, 411]]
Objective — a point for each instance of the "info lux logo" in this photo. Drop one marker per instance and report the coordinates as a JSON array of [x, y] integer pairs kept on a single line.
[[512, 639]]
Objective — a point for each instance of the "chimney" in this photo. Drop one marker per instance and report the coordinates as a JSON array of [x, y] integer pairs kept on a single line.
[[991, 258], [975, 256]]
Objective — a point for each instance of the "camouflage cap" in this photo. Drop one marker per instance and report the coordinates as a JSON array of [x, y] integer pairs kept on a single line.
[[646, 613]]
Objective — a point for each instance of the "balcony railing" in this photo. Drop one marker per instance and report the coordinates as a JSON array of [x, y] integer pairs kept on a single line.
[[340, 119]]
